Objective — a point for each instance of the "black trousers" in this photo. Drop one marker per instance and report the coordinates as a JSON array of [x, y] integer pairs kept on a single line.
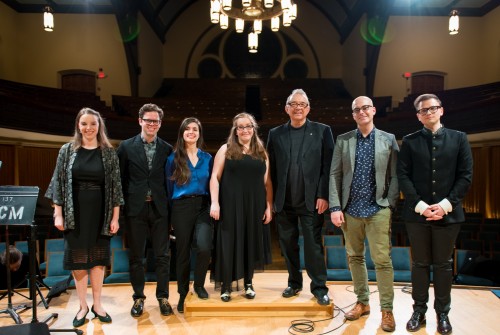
[[193, 228], [288, 231], [432, 244], [149, 222]]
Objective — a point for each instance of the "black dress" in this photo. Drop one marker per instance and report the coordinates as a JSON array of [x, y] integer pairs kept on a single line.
[[242, 239], [85, 247]]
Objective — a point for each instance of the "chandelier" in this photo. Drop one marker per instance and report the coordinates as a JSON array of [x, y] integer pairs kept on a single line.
[[253, 11]]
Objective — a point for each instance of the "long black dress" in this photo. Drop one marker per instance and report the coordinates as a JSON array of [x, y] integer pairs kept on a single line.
[[242, 240], [85, 247]]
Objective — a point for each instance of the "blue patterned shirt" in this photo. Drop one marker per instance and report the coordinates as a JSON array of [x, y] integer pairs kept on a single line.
[[362, 201]]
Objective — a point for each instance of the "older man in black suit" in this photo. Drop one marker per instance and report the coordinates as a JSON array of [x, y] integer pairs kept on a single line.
[[300, 154], [142, 164], [434, 171]]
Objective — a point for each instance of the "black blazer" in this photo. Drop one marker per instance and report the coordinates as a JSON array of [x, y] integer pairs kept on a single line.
[[432, 167], [137, 178], [316, 157]]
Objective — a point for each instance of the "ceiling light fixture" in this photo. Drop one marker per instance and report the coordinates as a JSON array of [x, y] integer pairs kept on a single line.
[[48, 19], [453, 24], [254, 11]]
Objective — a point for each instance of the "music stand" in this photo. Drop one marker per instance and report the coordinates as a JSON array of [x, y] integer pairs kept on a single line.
[[17, 207]]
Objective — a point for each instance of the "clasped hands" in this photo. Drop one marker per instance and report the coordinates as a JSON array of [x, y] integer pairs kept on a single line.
[[433, 213]]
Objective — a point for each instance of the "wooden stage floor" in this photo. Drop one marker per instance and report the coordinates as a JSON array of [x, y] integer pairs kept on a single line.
[[474, 311]]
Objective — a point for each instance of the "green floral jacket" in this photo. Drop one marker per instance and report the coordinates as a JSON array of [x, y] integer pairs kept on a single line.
[[61, 185]]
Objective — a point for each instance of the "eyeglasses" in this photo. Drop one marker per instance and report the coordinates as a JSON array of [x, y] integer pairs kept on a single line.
[[432, 109], [152, 122], [241, 128], [298, 104], [364, 108]]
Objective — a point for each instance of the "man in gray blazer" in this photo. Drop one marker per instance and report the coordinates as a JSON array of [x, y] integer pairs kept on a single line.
[[363, 189], [300, 153], [142, 165]]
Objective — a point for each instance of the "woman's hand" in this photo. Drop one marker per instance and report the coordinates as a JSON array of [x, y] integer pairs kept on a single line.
[[59, 222], [268, 215], [114, 226], [215, 210]]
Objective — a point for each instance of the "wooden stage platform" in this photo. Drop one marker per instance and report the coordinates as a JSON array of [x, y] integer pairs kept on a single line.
[[474, 311]]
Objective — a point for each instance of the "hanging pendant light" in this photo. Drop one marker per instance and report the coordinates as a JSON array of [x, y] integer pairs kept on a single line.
[[253, 42], [275, 23], [48, 19], [453, 24], [240, 25], [224, 21], [257, 26]]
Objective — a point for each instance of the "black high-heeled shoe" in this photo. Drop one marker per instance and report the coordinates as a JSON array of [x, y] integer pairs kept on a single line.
[[103, 319], [80, 322]]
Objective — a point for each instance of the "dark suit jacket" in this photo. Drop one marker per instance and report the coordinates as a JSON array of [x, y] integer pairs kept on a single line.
[[316, 158], [433, 167], [137, 178]]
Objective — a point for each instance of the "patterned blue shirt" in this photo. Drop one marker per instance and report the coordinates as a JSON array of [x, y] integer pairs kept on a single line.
[[362, 201], [198, 184]]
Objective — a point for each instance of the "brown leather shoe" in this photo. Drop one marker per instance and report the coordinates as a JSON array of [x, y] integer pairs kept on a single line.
[[388, 324], [359, 310]]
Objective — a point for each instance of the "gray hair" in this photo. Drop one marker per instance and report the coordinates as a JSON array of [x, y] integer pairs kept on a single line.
[[297, 91]]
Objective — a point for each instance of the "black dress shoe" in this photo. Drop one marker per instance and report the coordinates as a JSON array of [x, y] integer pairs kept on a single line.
[[416, 321], [249, 291], [165, 308], [201, 292], [138, 308], [225, 296], [323, 299], [80, 322], [290, 292], [443, 324], [180, 304], [104, 319]]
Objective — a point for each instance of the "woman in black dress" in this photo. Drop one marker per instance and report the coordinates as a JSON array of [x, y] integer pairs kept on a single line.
[[86, 192], [243, 205]]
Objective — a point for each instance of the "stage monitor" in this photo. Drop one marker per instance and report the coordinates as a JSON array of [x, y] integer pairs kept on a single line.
[[17, 204]]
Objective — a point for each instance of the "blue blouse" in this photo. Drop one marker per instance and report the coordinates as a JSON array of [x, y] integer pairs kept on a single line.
[[198, 184]]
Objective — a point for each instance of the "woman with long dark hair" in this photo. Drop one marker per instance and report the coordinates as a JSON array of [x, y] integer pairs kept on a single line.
[[188, 171]]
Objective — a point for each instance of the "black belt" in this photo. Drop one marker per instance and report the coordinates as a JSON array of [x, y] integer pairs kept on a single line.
[[82, 185], [191, 196]]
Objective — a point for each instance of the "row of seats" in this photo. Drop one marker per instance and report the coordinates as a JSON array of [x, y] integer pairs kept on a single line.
[[337, 265]]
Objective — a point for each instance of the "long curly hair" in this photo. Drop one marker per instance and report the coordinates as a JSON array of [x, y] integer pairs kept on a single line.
[[182, 174], [235, 149]]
